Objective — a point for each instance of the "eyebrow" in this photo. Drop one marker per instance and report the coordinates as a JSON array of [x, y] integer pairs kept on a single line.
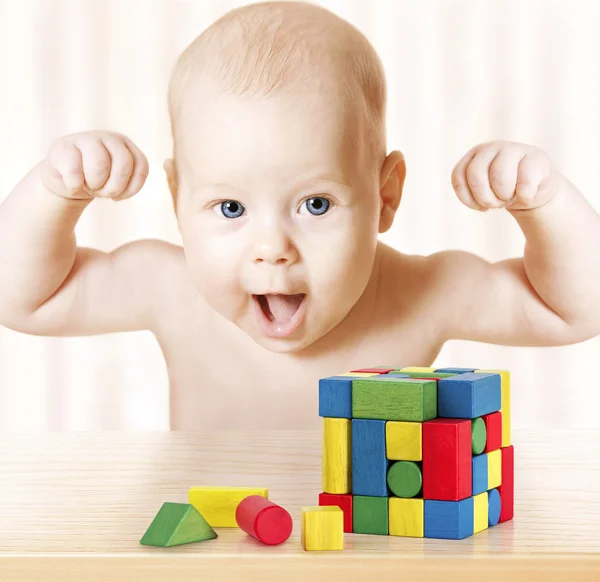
[[308, 181]]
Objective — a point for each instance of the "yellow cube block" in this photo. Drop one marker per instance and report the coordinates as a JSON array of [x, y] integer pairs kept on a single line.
[[337, 455], [322, 528], [406, 517], [505, 408], [403, 441], [494, 469], [218, 504], [480, 513], [417, 369]]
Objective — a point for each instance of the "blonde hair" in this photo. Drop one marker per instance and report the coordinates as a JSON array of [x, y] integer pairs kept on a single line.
[[285, 47]]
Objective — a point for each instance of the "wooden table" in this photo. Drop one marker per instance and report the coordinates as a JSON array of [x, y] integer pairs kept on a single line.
[[73, 506]]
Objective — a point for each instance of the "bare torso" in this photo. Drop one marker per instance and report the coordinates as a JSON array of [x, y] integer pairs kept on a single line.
[[221, 379]]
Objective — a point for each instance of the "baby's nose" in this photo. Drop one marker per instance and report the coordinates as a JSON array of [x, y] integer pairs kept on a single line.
[[274, 248]]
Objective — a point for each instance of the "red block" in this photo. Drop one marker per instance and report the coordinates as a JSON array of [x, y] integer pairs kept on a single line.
[[263, 520], [493, 424], [507, 489], [447, 459], [344, 502], [374, 370]]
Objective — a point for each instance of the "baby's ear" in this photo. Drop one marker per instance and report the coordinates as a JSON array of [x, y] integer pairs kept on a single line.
[[393, 173], [171, 171]]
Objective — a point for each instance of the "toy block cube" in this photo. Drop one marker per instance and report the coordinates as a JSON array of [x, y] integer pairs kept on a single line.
[[176, 524], [370, 515], [469, 395], [493, 424], [494, 469], [447, 459], [480, 512], [344, 502], [451, 520], [494, 507], [455, 370], [388, 398], [505, 408], [369, 463], [322, 528], [218, 504], [480, 474], [478, 436], [416, 369], [406, 517], [404, 441], [405, 479], [425, 375], [337, 455], [507, 488], [335, 397]]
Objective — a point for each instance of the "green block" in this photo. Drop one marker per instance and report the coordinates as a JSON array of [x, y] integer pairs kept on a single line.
[[176, 524], [426, 374], [391, 398], [370, 515], [478, 435], [404, 479]]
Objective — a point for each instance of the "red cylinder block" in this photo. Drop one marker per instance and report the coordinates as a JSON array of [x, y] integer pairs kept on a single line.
[[264, 520]]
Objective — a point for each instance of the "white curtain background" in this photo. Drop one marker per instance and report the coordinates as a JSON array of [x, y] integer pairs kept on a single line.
[[459, 71]]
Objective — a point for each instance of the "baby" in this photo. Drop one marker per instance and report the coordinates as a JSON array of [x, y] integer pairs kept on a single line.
[[281, 181]]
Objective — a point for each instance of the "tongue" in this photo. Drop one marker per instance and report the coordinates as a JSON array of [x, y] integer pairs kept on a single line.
[[283, 307]]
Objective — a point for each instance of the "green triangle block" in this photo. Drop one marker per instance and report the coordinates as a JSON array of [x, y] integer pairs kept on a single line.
[[176, 524]]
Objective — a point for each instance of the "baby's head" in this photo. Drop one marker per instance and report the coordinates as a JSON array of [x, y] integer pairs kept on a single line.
[[280, 178]]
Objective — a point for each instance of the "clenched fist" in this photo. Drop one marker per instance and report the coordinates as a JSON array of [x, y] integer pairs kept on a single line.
[[94, 164], [502, 174]]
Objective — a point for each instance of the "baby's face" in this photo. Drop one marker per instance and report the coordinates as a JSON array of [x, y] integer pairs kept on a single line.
[[276, 198]]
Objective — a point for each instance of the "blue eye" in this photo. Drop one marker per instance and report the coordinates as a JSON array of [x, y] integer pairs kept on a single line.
[[317, 206], [230, 209]]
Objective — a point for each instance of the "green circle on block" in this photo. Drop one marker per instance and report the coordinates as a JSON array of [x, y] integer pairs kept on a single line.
[[404, 479], [478, 435]]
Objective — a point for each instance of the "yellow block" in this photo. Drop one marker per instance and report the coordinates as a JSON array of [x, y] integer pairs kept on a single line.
[[494, 469], [218, 504], [322, 528], [403, 441], [505, 409], [480, 518], [406, 517], [358, 374], [337, 455], [417, 369]]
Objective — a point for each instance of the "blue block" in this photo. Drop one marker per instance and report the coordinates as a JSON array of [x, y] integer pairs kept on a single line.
[[449, 520], [335, 396], [455, 370], [480, 474], [494, 507], [469, 395], [369, 463]]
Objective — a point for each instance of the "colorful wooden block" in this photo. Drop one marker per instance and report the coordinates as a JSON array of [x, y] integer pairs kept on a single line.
[[451, 520], [335, 397], [337, 455], [480, 512], [369, 463], [425, 375], [455, 370], [469, 395], [494, 468], [322, 528], [493, 425], [480, 474], [406, 517], [405, 479], [404, 441], [264, 520], [478, 435], [218, 504], [396, 375], [375, 370], [507, 489], [388, 398], [176, 524], [370, 515], [447, 459], [416, 369], [505, 409], [494, 507], [344, 502]]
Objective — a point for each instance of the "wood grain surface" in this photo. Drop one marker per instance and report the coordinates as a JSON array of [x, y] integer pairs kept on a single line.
[[73, 506]]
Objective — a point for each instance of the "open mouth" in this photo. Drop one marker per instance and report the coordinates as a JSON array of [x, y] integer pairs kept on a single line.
[[279, 315]]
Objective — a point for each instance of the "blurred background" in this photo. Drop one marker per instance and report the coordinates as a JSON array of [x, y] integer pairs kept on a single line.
[[459, 72]]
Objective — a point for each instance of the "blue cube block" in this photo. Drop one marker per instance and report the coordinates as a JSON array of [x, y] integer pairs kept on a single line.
[[480, 474], [455, 370], [335, 396], [449, 520], [494, 507], [469, 395], [369, 462]]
